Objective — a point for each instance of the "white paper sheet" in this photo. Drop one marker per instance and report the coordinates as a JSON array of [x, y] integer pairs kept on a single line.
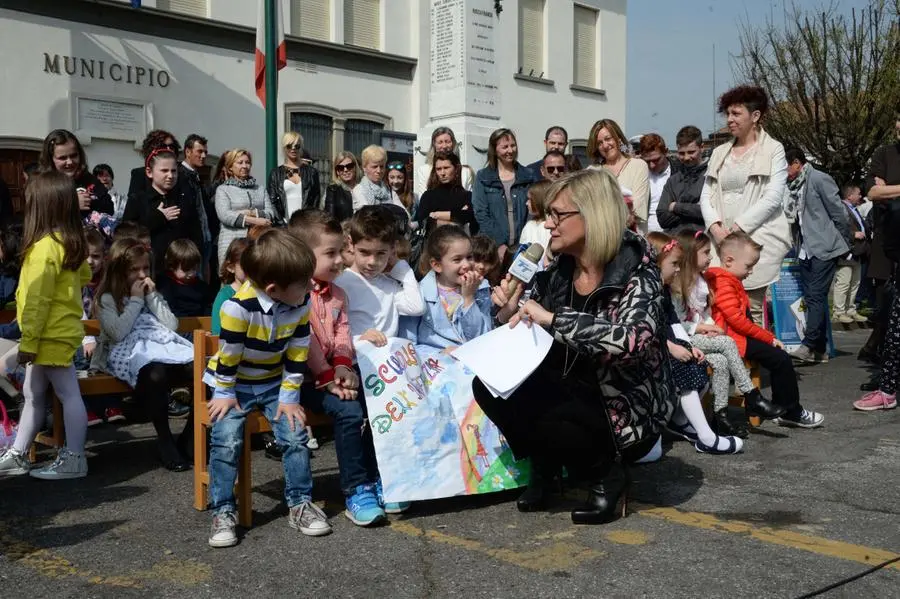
[[505, 357]]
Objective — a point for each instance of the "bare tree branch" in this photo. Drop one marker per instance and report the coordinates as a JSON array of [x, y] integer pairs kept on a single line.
[[834, 80]]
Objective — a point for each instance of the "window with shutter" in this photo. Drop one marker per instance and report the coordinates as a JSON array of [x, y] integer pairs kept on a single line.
[[316, 130], [195, 8], [585, 54], [531, 37], [359, 133], [362, 23], [311, 19]]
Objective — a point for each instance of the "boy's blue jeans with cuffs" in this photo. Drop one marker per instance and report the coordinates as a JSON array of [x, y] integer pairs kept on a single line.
[[227, 440], [352, 437]]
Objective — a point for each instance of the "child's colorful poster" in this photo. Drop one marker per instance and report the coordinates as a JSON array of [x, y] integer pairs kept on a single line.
[[431, 438]]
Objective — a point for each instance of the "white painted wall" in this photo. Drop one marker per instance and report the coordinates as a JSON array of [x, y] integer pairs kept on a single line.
[[212, 89]]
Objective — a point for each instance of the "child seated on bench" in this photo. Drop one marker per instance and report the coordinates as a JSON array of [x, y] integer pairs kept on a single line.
[[731, 305], [139, 344], [261, 363], [336, 387]]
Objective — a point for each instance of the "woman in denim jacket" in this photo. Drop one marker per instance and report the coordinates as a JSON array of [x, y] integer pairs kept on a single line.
[[501, 191]]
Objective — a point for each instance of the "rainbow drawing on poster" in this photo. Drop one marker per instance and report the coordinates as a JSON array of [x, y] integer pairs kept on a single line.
[[431, 438]]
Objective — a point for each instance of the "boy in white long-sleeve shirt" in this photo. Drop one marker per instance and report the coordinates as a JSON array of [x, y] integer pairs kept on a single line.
[[379, 287], [376, 298]]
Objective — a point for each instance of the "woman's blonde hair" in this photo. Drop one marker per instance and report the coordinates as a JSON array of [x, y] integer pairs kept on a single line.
[[340, 157], [373, 154], [230, 157], [593, 148], [598, 197], [290, 138]]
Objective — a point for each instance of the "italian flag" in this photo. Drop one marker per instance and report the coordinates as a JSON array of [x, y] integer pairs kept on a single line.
[[280, 48]]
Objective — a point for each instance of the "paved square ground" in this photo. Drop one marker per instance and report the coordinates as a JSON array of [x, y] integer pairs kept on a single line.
[[797, 511]]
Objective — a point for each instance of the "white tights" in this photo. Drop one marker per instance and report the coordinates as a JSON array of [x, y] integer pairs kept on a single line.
[[692, 411], [65, 384]]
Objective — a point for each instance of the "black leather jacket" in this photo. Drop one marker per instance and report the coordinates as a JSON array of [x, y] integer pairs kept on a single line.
[[309, 178]]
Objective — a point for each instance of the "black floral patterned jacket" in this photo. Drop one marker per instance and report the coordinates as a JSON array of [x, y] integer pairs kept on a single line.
[[622, 332]]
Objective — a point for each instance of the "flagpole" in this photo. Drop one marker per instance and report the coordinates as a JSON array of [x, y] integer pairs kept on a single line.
[[271, 87]]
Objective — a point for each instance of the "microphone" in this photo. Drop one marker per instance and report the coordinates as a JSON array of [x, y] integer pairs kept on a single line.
[[524, 266]]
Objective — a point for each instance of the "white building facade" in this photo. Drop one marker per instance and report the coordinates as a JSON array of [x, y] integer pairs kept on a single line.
[[359, 72]]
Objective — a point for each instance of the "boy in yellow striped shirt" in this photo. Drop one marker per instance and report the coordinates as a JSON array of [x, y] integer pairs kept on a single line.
[[261, 362]]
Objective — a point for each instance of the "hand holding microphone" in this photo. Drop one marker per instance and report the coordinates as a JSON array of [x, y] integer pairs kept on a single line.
[[525, 265]]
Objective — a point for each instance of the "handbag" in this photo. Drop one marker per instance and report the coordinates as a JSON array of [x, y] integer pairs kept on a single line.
[[8, 428]]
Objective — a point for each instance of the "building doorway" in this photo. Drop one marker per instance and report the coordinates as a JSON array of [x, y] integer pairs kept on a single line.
[[12, 167]]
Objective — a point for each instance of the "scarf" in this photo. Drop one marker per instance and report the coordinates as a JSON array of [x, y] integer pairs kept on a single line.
[[248, 183], [374, 193], [793, 195]]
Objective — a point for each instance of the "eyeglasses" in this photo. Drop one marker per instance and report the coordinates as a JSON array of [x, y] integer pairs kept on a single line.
[[556, 169], [557, 217], [342, 168]]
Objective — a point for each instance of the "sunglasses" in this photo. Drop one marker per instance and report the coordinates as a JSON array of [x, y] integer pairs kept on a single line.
[[342, 168], [396, 166], [293, 146], [555, 169]]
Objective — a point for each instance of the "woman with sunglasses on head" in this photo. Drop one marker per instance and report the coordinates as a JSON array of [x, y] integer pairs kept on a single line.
[[443, 140], [155, 140], [64, 153], [400, 184], [501, 192], [339, 193], [293, 185]]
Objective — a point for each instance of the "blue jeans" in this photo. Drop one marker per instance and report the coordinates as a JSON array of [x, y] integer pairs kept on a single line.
[[815, 279], [352, 436], [227, 440]]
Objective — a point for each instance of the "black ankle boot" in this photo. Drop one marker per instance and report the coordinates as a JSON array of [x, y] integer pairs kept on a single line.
[[757, 405], [538, 491], [604, 498], [274, 450], [724, 426]]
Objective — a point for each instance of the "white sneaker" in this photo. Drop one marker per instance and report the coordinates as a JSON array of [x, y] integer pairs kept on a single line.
[[313, 443], [222, 533], [13, 463], [66, 465], [309, 519]]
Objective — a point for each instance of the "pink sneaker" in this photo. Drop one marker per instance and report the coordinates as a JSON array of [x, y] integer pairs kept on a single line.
[[876, 400]]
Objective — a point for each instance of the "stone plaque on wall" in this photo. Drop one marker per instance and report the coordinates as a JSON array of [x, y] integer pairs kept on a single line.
[[110, 119]]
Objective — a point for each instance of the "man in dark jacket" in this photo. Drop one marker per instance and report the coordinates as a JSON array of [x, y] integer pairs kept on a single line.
[[679, 205], [822, 236], [556, 138], [195, 153]]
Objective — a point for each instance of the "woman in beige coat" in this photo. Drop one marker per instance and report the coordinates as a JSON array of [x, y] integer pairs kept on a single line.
[[744, 187], [608, 149]]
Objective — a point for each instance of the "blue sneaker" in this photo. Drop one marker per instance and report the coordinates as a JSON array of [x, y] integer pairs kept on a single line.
[[363, 507], [397, 507]]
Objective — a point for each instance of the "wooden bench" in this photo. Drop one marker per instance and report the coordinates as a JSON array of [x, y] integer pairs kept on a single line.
[[103, 384], [205, 345]]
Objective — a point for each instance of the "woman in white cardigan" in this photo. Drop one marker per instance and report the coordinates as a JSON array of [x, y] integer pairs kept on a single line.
[[744, 187], [241, 202]]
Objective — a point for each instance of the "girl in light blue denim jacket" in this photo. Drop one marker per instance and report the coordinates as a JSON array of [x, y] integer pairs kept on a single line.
[[457, 298]]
